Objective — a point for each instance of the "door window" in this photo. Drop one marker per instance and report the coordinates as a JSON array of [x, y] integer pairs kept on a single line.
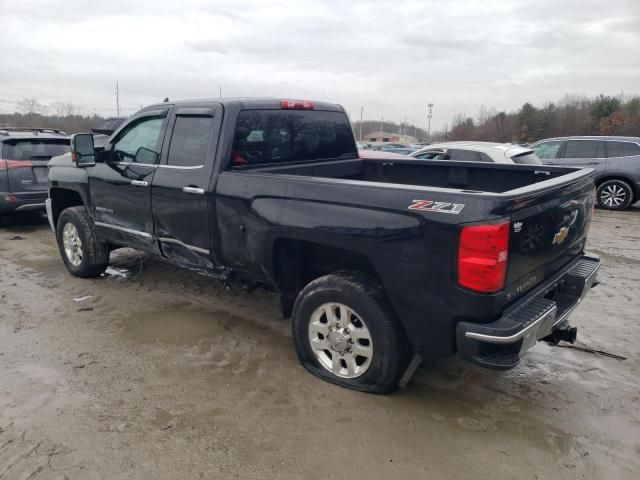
[[584, 149], [139, 143], [622, 149], [190, 140], [463, 155], [547, 150]]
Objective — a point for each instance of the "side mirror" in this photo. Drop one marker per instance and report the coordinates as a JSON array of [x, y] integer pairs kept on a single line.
[[146, 156], [82, 150]]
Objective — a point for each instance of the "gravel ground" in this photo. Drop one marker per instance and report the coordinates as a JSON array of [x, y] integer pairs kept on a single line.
[[161, 373]]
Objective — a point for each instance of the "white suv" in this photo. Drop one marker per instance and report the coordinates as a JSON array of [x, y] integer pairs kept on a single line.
[[478, 152]]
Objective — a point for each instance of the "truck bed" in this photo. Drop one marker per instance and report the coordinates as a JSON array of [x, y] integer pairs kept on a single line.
[[464, 176]]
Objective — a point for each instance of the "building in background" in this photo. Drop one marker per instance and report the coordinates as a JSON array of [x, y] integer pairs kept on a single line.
[[388, 137]]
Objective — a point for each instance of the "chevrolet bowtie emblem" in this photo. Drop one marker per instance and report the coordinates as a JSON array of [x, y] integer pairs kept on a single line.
[[561, 236]]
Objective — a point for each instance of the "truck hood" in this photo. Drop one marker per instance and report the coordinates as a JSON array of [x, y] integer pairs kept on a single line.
[[61, 161]]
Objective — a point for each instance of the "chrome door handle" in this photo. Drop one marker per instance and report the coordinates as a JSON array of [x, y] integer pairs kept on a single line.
[[139, 183], [199, 191]]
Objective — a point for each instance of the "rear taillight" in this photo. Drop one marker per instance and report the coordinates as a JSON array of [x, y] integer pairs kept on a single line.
[[482, 257], [9, 164], [296, 105]]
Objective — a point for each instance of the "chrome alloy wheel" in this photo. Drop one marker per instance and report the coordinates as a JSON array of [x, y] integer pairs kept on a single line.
[[72, 244], [613, 195], [340, 340]]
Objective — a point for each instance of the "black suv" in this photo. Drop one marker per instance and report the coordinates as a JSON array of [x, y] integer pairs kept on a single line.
[[24, 154], [616, 161]]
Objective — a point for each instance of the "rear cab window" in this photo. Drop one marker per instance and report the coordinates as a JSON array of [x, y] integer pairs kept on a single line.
[[269, 137], [34, 148]]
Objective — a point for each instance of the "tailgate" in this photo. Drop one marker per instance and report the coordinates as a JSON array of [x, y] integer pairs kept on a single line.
[[25, 162], [547, 235]]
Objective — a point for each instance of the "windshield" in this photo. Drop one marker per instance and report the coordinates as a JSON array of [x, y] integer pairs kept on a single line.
[[35, 148], [527, 158], [283, 136]]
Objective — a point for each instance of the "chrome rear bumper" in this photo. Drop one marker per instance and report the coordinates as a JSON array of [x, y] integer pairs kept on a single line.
[[500, 344]]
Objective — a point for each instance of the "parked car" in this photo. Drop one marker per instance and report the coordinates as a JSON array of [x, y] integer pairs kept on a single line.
[[400, 150], [615, 159], [377, 261], [489, 152], [24, 153]]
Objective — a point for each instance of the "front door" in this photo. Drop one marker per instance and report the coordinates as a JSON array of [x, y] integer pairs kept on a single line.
[[181, 191], [121, 184]]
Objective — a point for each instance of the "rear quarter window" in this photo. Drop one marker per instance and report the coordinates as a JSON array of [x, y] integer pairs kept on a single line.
[[622, 149], [264, 137]]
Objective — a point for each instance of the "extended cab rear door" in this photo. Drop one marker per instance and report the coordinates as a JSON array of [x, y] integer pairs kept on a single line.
[[181, 197]]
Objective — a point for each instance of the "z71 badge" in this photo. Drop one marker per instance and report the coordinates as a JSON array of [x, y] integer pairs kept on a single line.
[[431, 206]]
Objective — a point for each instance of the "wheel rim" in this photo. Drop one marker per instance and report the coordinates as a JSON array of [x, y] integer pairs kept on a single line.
[[340, 340], [613, 195], [72, 244]]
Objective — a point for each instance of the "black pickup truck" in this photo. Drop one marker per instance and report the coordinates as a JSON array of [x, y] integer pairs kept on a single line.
[[378, 261]]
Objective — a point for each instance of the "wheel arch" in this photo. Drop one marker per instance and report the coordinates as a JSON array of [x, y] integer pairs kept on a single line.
[[298, 262], [62, 198]]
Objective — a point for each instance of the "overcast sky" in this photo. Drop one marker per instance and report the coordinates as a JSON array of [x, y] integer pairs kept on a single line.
[[392, 57]]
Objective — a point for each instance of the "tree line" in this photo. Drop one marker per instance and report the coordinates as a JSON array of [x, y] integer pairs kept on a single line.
[[572, 115], [63, 115]]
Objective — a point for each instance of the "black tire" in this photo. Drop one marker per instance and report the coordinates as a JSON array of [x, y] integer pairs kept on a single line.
[[95, 255], [362, 294], [607, 188]]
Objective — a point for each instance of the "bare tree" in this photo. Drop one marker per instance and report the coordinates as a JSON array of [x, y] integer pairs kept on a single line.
[[30, 106]]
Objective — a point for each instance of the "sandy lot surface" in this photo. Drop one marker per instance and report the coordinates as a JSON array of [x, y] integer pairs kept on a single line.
[[164, 374]]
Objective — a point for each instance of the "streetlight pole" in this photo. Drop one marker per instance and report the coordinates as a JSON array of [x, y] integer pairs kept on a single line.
[[429, 114], [361, 113]]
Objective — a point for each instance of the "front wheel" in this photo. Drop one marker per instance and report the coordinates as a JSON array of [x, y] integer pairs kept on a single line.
[[346, 332], [82, 253], [614, 195]]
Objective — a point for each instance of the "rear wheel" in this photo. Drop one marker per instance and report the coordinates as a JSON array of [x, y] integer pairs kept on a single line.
[[614, 195], [346, 332], [82, 253]]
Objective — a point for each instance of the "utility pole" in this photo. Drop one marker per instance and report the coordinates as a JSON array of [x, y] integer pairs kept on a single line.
[[429, 114], [361, 114], [117, 100], [382, 124], [220, 90]]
